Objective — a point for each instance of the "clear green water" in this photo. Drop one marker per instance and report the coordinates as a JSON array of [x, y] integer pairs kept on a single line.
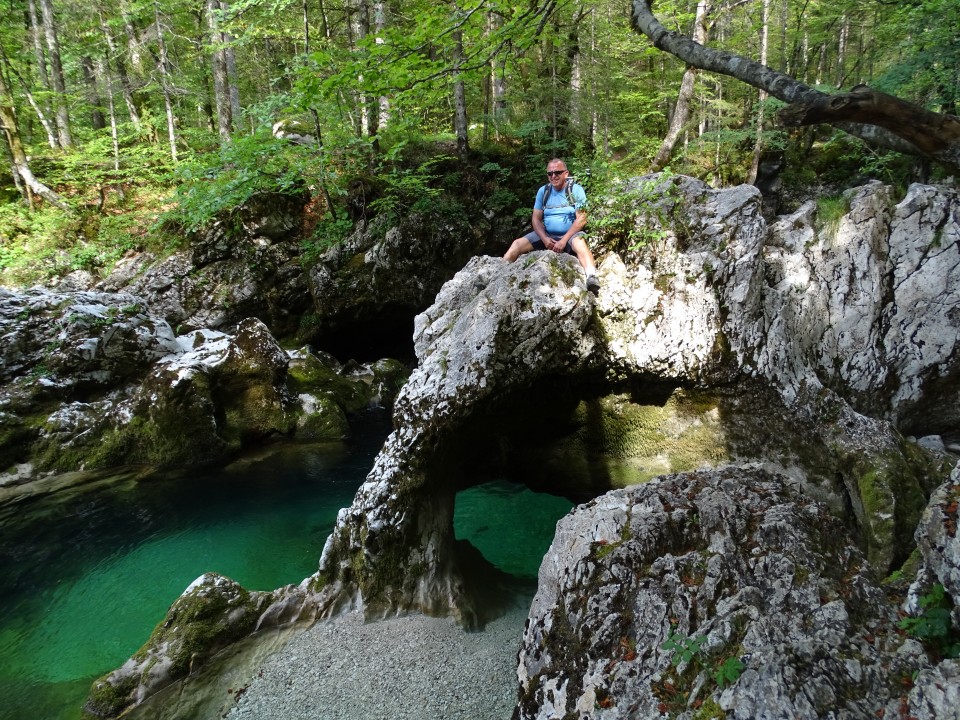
[[510, 524], [84, 580]]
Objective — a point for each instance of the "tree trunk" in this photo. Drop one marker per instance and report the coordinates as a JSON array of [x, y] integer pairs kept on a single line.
[[42, 108], [121, 68], [221, 83], [758, 143], [459, 98], [379, 24], [21, 166], [306, 29], [56, 71], [41, 114], [233, 88], [877, 118], [165, 84], [498, 82], [93, 93], [681, 112]]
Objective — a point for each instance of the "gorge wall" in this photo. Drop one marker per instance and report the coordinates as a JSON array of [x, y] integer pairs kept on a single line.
[[790, 392]]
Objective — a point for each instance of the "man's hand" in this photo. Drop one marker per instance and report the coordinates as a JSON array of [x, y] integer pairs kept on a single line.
[[559, 245]]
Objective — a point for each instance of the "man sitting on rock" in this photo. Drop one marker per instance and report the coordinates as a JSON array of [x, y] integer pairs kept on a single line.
[[559, 215]]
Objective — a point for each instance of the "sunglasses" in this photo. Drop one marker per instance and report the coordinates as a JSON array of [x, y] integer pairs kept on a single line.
[[552, 173]]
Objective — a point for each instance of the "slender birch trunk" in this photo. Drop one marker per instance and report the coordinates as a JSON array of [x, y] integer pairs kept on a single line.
[[62, 114], [166, 84], [681, 112], [43, 109], [758, 143], [121, 70]]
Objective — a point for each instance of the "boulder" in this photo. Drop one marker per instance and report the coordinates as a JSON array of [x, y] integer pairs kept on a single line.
[[246, 263], [91, 381], [722, 593], [518, 355], [388, 271], [213, 612]]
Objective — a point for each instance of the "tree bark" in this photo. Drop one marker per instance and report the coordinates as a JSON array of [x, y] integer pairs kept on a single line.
[[42, 109], [459, 98], [41, 114], [221, 83], [681, 112], [21, 166], [233, 87], [56, 71], [877, 118], [121, 67], [166, 85], [90, 77], [758, 142], [379, 24]]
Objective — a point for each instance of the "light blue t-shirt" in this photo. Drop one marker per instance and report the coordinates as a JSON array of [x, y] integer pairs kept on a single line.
[[558, 214]]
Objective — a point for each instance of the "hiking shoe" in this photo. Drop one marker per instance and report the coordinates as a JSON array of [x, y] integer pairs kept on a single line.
[[593, 285]]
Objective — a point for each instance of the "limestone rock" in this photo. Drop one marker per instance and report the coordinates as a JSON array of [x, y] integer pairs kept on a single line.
[[245, 264], [212, 612], [717, 302], [648, 592], [91, 381], [382, 275]]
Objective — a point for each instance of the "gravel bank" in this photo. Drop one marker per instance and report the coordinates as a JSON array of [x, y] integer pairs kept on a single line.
[[412, 667]]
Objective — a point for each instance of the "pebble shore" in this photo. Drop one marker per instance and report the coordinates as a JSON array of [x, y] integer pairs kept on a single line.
[[411, 667]]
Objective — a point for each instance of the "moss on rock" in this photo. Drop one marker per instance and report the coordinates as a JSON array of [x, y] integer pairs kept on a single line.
[[640, 441]]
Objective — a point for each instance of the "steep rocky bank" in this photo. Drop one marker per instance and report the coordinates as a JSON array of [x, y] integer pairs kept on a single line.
[[772, 379]]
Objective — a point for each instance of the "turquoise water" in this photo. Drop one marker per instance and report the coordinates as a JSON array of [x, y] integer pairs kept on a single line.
[[510, 524], [85, 579]]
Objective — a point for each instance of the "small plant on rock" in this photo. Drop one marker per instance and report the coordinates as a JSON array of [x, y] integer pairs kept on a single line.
[[729, 672], [933, 626], [684, 649]]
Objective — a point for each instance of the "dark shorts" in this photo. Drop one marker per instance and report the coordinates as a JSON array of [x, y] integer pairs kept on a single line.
[[537, 243]]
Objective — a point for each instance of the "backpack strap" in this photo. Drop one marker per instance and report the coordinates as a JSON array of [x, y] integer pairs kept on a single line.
[[568, 192]]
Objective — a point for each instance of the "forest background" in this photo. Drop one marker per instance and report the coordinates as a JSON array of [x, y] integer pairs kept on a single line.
[[130, 123]]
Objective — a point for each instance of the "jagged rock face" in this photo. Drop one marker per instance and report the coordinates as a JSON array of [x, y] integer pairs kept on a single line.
[[383, 275], [243, 265], [647, 593], [939, 546], [90, 381], [721, 308], [869, 308], [476, 343]]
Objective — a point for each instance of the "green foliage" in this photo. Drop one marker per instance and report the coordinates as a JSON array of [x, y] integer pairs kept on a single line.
[[728, 672], [327, 233], [933, 626], [830, 211], [683, 649], [408, 188], [636, 215], [217, 182]]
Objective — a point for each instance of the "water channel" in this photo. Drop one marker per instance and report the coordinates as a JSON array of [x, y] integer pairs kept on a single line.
[[88, 574]]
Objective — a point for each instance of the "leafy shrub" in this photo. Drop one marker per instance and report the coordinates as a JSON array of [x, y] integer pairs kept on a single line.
[[211, 184], [933, 626]]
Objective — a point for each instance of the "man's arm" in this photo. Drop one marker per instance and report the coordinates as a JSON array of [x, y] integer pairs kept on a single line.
[[579, 223]]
